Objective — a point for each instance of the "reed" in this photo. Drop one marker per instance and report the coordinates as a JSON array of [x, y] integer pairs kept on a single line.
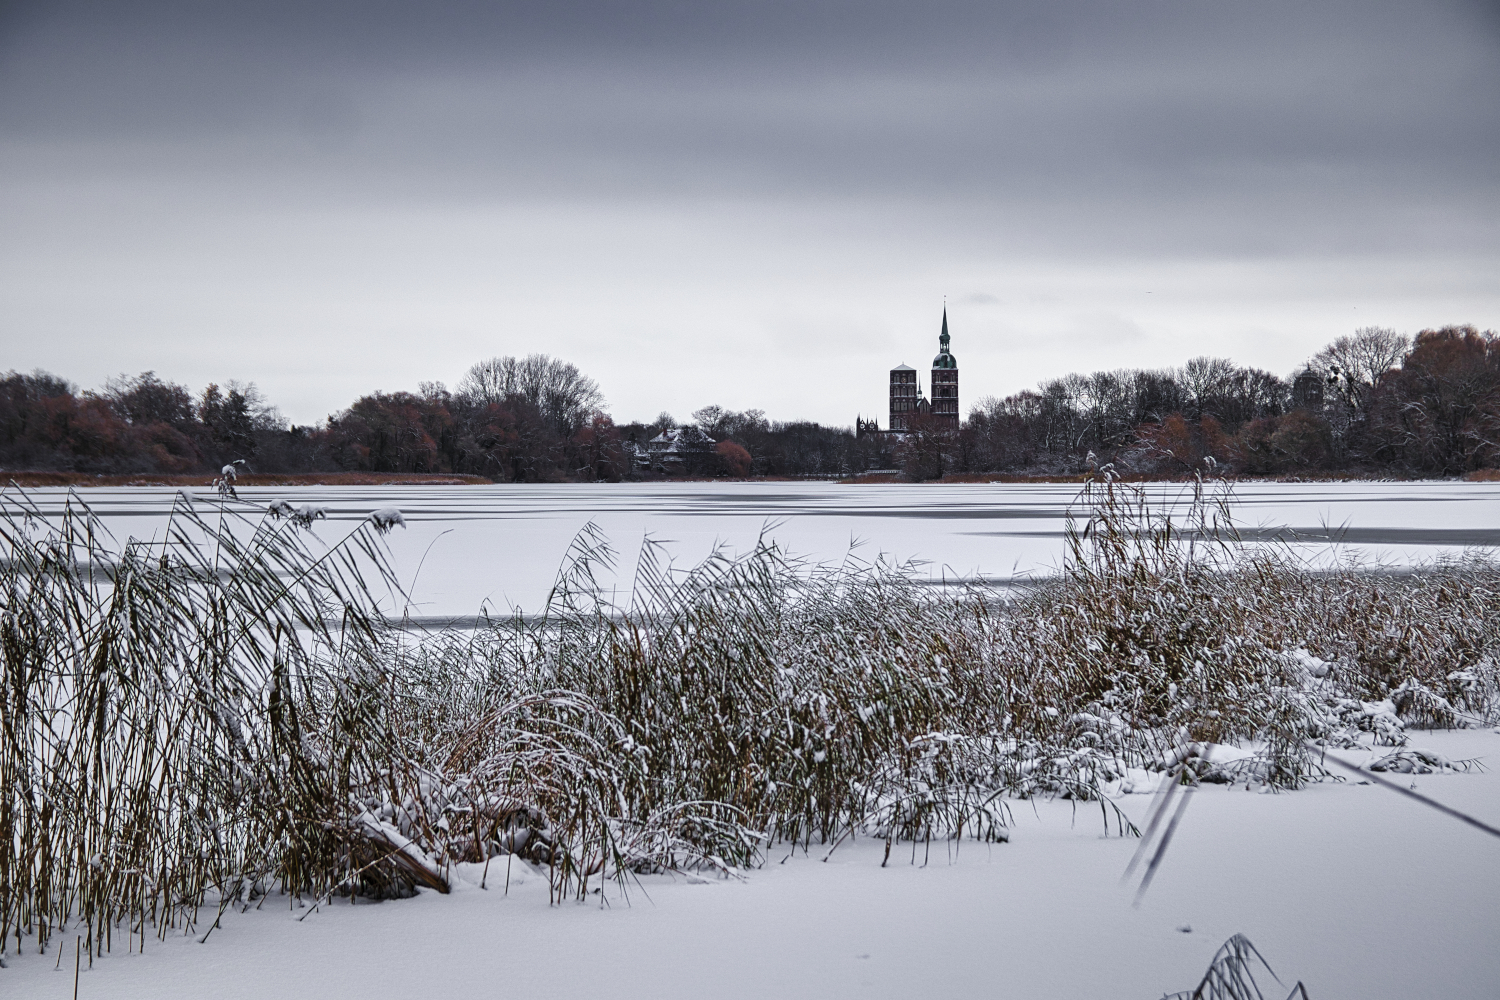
[[153, 745], [1231, 975], [222, 716]]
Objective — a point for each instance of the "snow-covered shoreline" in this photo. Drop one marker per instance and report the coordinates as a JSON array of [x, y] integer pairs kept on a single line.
[[1013, 719], [1358, 892]]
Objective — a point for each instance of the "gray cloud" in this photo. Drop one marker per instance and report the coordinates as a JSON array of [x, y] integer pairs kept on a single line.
[[332, 175]]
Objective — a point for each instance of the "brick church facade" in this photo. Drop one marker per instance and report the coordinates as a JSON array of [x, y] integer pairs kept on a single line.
[[907, 403], [945, 381]]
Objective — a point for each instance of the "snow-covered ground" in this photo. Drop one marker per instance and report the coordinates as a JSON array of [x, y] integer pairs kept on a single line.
[[501, 545], [1358, 891], [1354, 889]]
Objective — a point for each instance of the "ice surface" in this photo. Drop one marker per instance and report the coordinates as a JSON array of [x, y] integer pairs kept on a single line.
[[502, 545]]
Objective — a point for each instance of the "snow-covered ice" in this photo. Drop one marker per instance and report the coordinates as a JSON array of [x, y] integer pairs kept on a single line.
[[501, 546]]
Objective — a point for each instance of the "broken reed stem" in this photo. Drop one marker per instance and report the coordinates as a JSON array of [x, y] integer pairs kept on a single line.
[[1430, 803]]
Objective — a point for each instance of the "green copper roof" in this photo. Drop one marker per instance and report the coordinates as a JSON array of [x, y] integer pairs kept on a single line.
[[944, 359]]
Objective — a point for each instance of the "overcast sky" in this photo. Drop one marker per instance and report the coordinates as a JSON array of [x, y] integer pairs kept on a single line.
[[753, 204]]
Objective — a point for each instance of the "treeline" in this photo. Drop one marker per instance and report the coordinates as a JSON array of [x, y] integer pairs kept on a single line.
[[776, 448], [533, 419], [1373, 401], [134, 424], [510, 419]]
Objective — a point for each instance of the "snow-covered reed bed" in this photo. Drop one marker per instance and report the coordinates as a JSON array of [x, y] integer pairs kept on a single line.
[[222, 716], [155, 743]]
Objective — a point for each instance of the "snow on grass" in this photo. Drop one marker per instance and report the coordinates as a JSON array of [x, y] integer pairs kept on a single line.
[[182, 759], [1349, 888]]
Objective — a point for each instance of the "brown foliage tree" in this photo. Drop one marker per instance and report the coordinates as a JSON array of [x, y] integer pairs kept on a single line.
[[1440, 412], [597, 449], [1297, 441], [733, 460], [395, 432], [1302, 440], [1177, 446]]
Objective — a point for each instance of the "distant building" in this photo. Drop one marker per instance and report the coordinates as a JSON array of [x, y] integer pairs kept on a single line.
[[904, 391], [637, 454], [680, 449], [907, 401], [945, 381], [1307, 390]]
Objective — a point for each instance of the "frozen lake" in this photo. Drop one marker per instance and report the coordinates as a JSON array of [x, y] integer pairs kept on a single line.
[[501, 546]]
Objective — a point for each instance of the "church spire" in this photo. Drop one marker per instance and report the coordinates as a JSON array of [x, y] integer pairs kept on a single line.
[[945, 380], [945, 358]]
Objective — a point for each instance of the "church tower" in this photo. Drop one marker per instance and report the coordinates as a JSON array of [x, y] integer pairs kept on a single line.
[[903, 397], [944, 381]]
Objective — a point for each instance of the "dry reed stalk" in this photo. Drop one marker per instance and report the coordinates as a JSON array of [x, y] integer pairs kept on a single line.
[[223, 714]]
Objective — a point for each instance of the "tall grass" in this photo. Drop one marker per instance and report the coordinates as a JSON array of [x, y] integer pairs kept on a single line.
[[153, 738], [223, 714]]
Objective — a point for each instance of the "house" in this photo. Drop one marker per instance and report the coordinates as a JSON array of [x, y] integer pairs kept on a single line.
[[680, 450]]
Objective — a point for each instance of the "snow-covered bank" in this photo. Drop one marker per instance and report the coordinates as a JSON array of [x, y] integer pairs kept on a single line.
[[750, 696], [1357, 891]]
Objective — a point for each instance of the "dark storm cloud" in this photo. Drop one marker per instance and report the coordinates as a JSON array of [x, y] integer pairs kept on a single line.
[[1123, 104]]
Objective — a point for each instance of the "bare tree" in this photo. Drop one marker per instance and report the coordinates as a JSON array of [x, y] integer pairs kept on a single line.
[[492, 381], [564, 396], [710, 420], [1354, 364], [145, 399], [1205, 382], [928, 450]]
